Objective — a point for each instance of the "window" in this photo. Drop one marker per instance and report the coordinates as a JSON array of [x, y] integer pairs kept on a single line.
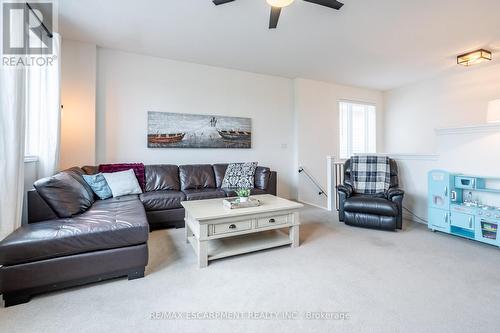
[[34, 99], [357, 129]]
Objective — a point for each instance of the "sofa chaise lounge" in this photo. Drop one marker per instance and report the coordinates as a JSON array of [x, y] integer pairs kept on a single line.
[[73, 238]]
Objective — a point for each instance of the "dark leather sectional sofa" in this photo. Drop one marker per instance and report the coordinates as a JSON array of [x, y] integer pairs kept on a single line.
[[72, 238]]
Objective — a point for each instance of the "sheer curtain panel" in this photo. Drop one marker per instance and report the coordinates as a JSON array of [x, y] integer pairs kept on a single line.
[[12, 133], [44, 112]]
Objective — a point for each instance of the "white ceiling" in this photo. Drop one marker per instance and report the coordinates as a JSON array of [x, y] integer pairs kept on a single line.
[[380, 44]]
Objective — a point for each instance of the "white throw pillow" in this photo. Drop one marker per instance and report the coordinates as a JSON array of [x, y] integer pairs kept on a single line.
[[123, 183]]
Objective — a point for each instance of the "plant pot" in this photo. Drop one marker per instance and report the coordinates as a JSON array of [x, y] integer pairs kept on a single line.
[[243, 199]]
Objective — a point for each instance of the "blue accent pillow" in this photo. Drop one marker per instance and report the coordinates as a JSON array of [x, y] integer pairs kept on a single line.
[[99, 185]]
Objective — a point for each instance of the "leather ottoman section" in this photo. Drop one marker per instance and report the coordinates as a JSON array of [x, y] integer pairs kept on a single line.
[[166, 218], [370, 221], [378, 206], [160, 200], [231, 192], [206, 193], [108, 224], [68, 270]]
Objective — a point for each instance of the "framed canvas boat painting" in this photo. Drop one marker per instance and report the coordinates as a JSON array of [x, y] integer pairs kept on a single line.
[[181, 130]]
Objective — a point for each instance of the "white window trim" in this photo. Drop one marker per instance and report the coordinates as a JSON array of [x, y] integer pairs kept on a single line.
[[358, 101]]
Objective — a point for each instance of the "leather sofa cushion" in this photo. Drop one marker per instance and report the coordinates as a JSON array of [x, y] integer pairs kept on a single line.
[[262, 175], [197, 176], [162, 177], [109, 224], [64, 194], [76, 170], [90, 169], [160, 200], [231, 192], [78, 173], [220, 172], [371, 205], [206, 193]]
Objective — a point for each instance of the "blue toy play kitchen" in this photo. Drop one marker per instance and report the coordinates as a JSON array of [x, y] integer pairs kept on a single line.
[[466, 206]]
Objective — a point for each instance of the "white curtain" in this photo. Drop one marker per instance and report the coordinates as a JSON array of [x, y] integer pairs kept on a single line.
[[12, 127], [43, 112], [29, 125]]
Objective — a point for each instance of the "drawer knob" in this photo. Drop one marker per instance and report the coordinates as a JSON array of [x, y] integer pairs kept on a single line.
[[232, 226], [272, 220]]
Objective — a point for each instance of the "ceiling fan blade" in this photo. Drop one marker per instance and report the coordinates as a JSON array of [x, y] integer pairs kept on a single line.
[[221, 2], [327, 3], [275, 16]]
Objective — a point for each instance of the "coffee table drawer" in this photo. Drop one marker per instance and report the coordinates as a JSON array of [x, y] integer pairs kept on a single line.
[[226, 228], [272, 220]]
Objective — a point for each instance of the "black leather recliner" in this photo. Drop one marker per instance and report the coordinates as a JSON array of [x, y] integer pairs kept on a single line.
[[380, 211]]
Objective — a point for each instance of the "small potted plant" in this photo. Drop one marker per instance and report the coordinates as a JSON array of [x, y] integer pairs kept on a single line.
[[243, 194]]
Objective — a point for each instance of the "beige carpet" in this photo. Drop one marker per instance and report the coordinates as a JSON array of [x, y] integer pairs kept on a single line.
[[409, 281]]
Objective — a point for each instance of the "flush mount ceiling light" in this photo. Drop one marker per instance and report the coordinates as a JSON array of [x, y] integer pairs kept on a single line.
[[474, 57]]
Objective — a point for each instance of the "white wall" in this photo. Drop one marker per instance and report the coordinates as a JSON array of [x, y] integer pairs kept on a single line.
[[78, 90], [129, 85], [295, 122], [317, 113], [455, 99]]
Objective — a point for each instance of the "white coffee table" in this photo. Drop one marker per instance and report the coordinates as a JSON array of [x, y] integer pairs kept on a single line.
[[216, 232]]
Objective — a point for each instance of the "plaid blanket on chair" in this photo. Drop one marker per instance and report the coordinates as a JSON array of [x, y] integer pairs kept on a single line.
[[370, 174]]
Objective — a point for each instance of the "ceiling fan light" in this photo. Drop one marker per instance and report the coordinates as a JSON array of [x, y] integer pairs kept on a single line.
[[279, 3]]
